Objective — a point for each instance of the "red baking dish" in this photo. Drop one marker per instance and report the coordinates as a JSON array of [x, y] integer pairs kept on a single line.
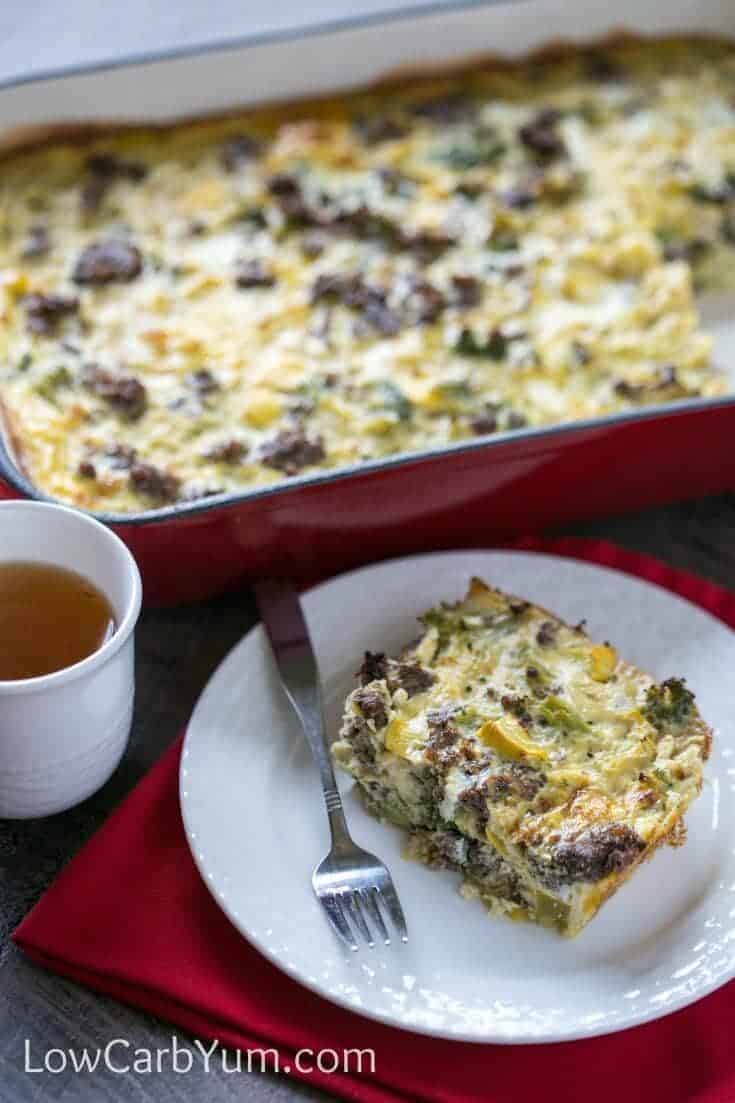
[[466, 493]]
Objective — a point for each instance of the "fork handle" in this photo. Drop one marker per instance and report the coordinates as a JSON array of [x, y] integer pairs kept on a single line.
[[283, 618]]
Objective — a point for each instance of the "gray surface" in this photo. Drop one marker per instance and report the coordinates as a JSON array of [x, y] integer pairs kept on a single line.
[[177, 650]]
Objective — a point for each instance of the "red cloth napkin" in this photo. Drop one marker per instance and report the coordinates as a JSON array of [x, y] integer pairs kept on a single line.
[[130, 917]]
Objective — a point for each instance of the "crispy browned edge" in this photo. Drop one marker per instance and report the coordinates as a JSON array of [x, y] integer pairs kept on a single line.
[[31, 138], [669, 836], [672, 837], [28, 139]]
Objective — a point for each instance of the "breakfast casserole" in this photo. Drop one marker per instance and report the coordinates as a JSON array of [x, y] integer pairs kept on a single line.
[[518, 752], [219, 305]]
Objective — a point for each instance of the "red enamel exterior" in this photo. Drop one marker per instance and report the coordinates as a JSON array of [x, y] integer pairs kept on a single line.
[[475, 495]]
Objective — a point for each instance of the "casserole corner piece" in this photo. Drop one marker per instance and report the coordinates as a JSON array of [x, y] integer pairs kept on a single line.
[[516, 751]]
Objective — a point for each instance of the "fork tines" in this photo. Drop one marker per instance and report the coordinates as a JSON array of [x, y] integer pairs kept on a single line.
[[357, 911]]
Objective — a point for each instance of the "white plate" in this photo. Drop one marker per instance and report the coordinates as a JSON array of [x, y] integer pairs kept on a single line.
[[255, 823]]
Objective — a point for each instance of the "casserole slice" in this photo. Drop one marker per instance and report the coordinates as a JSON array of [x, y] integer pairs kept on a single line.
[[518, 752]]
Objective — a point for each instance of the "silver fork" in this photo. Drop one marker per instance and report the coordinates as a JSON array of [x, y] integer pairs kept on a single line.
[[351, 884]]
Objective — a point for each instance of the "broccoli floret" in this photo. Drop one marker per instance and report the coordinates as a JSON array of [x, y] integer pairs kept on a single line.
[[668, 703], [446, 621], [562, 716]]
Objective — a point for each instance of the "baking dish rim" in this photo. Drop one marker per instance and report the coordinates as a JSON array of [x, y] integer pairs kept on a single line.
[[14, 477]]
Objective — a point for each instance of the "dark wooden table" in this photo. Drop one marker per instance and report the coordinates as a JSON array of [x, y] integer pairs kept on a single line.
[[177, 651]]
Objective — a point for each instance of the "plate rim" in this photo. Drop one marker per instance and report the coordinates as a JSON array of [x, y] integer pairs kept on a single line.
[[555, 1037]]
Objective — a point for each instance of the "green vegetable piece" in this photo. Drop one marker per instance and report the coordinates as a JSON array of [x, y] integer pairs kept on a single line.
[[561, 716], [252, 216], [668, 703], [494, 348], [503, 242], [551, 912], [446, 622], [662, 777], [394, 400], [48, 386], [483, 151]]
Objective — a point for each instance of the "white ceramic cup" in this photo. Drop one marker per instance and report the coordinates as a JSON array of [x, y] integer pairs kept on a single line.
[[62, 735]]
